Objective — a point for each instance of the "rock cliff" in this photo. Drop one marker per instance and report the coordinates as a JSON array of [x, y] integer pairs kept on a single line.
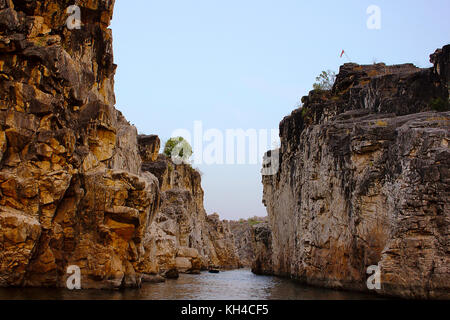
[[71, 190], [262, 263], [75, 188], [244, 238], [364, 180], [184, 236]]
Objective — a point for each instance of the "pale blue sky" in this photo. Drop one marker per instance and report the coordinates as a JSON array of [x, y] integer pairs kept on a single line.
[[245, 64]]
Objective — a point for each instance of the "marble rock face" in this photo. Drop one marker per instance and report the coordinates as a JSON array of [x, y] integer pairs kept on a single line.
[[364, 180], [71, 188]]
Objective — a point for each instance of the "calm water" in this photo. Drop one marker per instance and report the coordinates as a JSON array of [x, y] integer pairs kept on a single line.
[[230, 285]]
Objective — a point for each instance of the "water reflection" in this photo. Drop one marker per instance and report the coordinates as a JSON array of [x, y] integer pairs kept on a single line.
[[230, 285]]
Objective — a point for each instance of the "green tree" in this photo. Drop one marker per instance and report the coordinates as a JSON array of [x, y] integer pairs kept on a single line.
[[325, 80], [178, 149]]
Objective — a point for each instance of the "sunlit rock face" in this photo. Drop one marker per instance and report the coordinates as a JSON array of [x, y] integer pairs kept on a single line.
[[71, 188], [364, 180], [76, 182]]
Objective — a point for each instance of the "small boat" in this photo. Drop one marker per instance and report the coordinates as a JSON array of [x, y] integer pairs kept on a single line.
[[214, 271]]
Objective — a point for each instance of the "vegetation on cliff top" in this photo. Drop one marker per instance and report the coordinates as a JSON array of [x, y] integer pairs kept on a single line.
[[178, 148], [253, 221], [325, 80]]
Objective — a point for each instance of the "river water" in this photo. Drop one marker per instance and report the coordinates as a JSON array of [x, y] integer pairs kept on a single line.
[[229, 285]]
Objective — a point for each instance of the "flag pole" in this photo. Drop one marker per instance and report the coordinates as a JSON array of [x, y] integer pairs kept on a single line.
[[349, 60], [345, 53]]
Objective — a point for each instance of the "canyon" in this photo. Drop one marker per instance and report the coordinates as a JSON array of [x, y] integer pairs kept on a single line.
[[363, 175], [364, 181]]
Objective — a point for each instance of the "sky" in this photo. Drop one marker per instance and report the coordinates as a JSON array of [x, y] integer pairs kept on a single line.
[[245, 64]]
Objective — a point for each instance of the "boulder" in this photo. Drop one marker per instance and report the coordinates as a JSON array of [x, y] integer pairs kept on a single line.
[[172, 274]]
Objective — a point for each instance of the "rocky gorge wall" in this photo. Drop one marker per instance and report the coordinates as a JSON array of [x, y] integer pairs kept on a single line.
[[76, 186], [246, 238], [262, 263], [364, 180], [185, 237], [243, 240]]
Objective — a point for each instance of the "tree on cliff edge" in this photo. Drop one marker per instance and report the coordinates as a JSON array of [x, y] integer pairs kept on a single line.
[[178, 149], [325, 80]]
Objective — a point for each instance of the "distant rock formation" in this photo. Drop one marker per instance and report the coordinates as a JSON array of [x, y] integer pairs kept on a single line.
[[72, 191], [223, 244], [364, 180], [243, 236], [262, 263], [244, 239], [183, 236]]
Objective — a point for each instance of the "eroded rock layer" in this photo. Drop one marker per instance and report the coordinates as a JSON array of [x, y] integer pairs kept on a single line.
[[364, 180]]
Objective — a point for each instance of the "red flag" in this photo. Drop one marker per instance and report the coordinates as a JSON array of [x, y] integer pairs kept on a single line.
[[342, 53]]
